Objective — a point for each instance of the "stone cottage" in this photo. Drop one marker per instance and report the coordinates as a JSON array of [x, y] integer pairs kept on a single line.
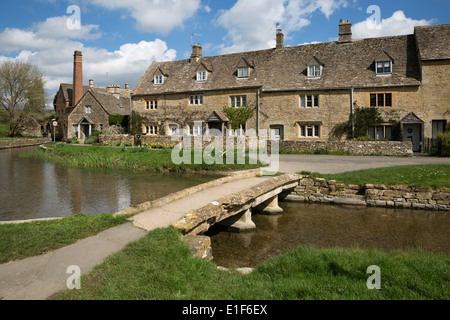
[[82, 109], [302, 92]]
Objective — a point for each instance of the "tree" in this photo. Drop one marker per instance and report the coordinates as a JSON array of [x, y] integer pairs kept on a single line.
[[22, 94], [238, 116], [357, 124]]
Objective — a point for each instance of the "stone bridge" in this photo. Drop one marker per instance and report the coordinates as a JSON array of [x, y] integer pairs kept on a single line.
[[235, 210]]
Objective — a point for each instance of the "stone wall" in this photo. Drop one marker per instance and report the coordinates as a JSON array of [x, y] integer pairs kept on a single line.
[[353, 147], [379, 195], [17, 143], [397, 148]]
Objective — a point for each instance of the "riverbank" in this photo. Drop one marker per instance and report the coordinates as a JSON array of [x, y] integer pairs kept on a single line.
[[140, 159], [168, 271]]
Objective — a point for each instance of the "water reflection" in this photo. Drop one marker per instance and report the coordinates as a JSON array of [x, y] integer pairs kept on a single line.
[[331, 226], [32, 189]]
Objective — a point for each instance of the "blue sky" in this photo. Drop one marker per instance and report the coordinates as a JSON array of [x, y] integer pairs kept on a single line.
[[121, 38]]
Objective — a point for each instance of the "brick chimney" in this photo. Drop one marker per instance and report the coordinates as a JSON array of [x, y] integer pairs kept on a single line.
[[77, 77], [197, 52], [345, 32], [280, 39]]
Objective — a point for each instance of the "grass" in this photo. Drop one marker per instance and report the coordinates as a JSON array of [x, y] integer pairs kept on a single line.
[[34, 238], [433, 176], [128, 158], [160, 267]]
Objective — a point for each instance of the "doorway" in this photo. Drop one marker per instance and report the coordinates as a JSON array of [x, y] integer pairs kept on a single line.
[[277, 132]]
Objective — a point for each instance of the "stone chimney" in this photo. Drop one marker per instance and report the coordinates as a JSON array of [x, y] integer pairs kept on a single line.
[[91, 83], [345, 32], [127, 86], [77, 77], [280, 39], [197, 52], [114, 90]]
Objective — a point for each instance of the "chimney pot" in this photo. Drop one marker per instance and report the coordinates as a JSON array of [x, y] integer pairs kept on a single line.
[[280, 39], [345, 32], [91, 83], [197, 52], [127, 86]]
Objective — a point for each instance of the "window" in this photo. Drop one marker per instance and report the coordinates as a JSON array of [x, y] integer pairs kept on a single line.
[[173, 130], [243, 72], [314, 71], [380, 132], [88, 109], [151, 104], [238, 101], [202, 75], [75, 129], [309, 101], [310, 131], [196, 99], [100, 127], [438, 126], [384, 67], [195, 129], [381, 99], [159, 79], [151, 130]]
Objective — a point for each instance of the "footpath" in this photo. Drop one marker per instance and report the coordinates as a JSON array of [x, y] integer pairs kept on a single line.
[[41, 277]]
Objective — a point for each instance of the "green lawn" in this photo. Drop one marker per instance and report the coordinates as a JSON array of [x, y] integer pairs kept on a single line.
[[34, 238], [129, 158], [419, 175], [159, 267]]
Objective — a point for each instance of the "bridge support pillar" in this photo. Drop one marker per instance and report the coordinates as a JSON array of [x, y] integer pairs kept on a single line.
[[270, 206], [242, 222]]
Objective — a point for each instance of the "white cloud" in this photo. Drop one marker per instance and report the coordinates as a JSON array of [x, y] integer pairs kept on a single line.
[[251, 23], [50, 45], [159, 16], [397, 24]]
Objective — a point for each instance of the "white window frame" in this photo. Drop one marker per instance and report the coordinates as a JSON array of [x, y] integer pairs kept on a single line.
[[238, 101], [195, 129], [202, 76], [243, 72], [88, 109], [310, 101], [314, 71], [386, 67], [159, 79], [151, 130], [173, 132], [196, 100], [309, 130]]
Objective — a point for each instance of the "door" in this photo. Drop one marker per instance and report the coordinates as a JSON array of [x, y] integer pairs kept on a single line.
[[86, 130], [412, 132], [276, 132]]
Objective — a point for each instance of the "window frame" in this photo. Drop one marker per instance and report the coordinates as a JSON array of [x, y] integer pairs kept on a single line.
[[375, 99], [310, 101], [309, 131], [385, 127], [88, 109], [151, 130], [151, 104], [241, 74], [238, 101], [314, 71], [384, 70], [202, 76], [196, 99], [158, 79]]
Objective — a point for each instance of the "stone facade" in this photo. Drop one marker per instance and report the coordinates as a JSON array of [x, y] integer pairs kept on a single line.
[[17, 143], [293, 105]]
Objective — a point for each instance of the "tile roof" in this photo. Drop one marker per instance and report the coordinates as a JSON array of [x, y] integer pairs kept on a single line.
[[345, 65], [433, 42]]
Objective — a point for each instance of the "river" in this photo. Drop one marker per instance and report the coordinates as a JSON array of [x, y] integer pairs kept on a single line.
[[33, 189]]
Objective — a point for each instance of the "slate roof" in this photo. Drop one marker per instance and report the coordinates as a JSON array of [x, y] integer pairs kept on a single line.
[[345, 65], [111, 104], [433, 42]]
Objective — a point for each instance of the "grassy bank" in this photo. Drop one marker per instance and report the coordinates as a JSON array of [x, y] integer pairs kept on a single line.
[[34, 238], [420, 175], [129, 158], [159, 267]]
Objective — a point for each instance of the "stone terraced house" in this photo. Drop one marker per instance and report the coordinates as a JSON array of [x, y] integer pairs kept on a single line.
[[302, 92], [82, 109]]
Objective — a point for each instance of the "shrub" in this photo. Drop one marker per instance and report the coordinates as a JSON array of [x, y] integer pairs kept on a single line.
[[443, 143]]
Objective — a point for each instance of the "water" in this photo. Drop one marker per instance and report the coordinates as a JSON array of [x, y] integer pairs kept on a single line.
[[325, 226], [32, 189]]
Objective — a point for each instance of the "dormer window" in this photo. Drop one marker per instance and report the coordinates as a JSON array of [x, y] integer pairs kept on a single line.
[[243, 72], [202, 75], [384, 67], [314, 71], [159, 79]]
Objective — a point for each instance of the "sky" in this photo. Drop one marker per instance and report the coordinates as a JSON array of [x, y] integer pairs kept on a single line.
[[121, 38]]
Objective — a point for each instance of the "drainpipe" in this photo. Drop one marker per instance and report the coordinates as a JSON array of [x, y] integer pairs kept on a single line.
[[351, 110], [257, 110]]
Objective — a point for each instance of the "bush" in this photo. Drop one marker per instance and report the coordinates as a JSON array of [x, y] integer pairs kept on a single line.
[[443, 143]]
